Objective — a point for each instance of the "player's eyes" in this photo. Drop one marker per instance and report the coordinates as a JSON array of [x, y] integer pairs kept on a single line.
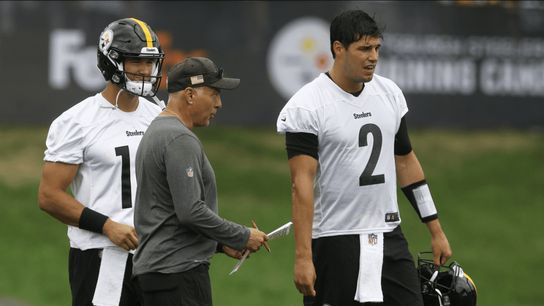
[[370, 48]]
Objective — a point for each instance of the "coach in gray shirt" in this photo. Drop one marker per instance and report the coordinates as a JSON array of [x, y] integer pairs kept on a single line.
[[175, 214]]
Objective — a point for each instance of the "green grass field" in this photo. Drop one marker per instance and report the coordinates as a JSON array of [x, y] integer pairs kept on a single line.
[[488, 186]]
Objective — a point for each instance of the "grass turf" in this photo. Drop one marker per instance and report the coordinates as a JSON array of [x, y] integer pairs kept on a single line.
[[487, 186]]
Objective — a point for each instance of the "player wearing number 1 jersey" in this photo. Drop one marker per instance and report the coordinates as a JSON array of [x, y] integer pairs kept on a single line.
[[91, 147], [348, 145]]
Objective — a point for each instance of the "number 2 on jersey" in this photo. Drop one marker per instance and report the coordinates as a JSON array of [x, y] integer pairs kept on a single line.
[[126, 192], [366, 177]]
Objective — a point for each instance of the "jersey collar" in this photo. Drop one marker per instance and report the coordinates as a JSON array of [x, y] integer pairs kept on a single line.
[[103, 103], [346, 95]]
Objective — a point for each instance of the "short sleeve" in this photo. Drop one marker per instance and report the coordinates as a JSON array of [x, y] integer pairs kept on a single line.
[[403, 106], [400, 104], [297, 120], [65, 142]]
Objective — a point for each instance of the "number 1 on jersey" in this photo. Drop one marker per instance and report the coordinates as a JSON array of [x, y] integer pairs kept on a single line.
[[366, 177], [126, 191]]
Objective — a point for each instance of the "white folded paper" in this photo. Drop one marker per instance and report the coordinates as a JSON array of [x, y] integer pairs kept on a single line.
[[280, 231]]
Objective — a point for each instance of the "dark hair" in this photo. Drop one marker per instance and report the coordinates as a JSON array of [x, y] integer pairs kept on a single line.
[[350, 26]]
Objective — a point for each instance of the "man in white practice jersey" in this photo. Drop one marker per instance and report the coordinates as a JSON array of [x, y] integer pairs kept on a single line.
[[347, 145], [91, 147]]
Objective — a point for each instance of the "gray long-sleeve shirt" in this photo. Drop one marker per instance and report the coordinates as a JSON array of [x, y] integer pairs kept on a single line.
[[175, 214]]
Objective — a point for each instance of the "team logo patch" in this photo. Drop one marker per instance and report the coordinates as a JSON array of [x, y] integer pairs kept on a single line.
[[372, 239], [106, 39], [189, 172]]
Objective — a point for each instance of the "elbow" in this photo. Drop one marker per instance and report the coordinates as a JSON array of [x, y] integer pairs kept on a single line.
[[302, 192], [194, 215], [186, 218], [299, 183], [295, 189], [400, 167], [45, 202], [402, 162]]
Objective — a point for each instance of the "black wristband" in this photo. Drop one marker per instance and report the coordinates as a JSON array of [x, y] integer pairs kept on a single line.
[[219, 248], [91, 220]]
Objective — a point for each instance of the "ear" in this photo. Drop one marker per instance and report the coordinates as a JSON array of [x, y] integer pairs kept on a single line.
[[189, 94], [337, 47]]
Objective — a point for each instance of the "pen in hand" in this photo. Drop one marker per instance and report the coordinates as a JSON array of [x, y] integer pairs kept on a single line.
[[264, 243]]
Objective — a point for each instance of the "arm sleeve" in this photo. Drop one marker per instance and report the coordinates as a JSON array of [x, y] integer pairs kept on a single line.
[[301, 143], [65, 142], [402, 141], [183, 161]]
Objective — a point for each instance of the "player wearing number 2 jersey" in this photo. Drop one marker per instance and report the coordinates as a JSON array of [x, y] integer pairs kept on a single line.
[[347, 144], [91, 147], [355, 136]]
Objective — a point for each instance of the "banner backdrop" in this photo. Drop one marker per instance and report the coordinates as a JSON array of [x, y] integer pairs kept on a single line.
[[470, 65]]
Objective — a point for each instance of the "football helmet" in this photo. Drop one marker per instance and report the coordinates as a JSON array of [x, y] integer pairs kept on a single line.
[[130, 38], [444, 285]]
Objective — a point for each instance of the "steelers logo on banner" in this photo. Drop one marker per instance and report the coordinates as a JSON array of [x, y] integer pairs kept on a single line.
[[298, 53]]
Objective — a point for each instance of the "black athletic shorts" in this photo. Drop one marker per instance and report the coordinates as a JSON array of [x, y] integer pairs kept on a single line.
[[336, 261], [189, 288], [83, 268]]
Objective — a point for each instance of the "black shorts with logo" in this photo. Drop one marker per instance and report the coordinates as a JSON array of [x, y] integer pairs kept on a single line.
[[83, 268], [336, 261]]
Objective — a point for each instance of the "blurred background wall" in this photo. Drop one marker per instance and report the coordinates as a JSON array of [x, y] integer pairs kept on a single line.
[[461, 64]]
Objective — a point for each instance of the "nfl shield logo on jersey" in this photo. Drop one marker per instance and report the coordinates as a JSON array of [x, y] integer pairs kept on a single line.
[[189, 171]]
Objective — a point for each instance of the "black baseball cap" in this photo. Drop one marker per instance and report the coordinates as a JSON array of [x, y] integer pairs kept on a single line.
[[198, 71]]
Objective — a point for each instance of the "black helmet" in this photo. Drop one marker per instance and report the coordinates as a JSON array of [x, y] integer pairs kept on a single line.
[[445, 285], [129, 38]]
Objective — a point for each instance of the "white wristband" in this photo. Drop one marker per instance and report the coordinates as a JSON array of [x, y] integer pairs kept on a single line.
[[424, 200]]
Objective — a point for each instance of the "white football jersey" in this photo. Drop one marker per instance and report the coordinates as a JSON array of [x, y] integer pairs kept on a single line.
[[355, 190], [103, 141]]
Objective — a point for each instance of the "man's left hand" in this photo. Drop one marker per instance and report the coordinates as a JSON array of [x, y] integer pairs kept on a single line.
[[232, 252], [439, 243]]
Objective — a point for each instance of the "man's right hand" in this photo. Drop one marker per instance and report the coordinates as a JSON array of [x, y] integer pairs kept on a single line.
[[305, 276], [256, 239], [122, 235]]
